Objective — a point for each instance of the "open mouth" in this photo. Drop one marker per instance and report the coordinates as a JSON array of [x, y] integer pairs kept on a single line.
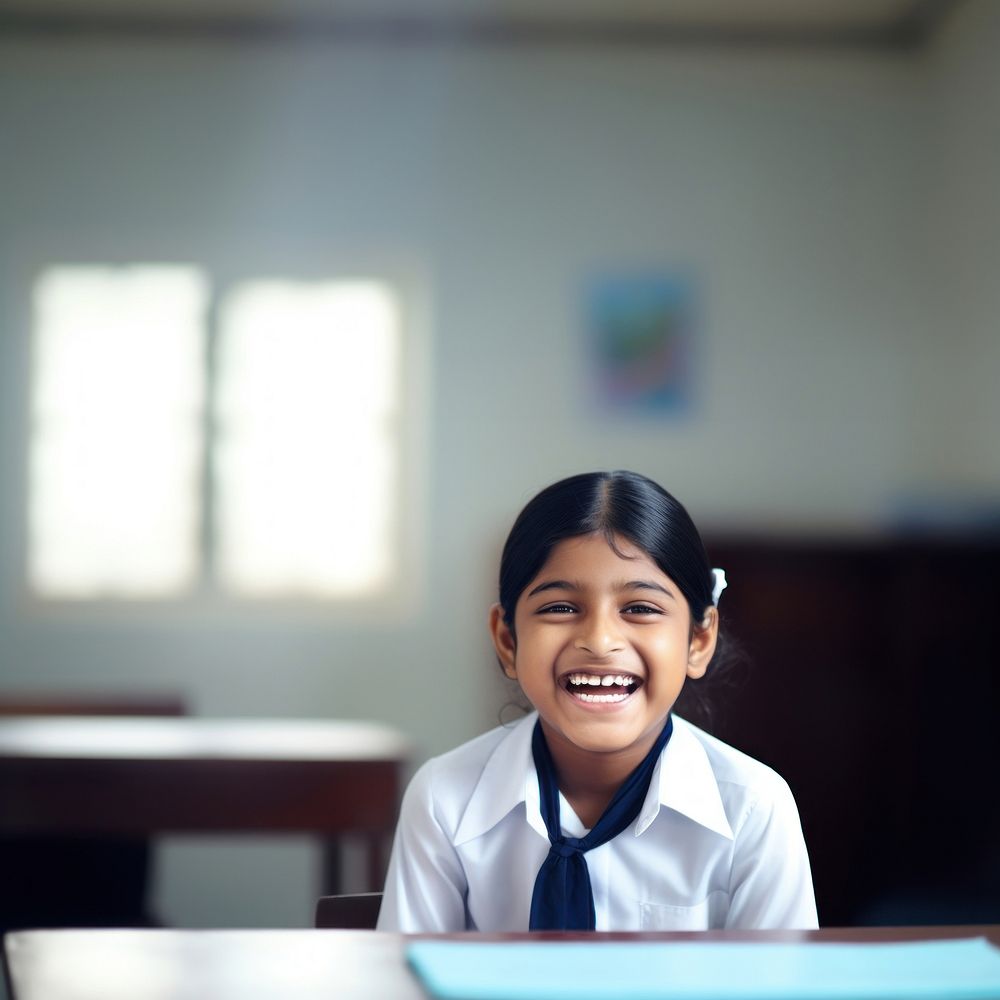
[[601, 688]]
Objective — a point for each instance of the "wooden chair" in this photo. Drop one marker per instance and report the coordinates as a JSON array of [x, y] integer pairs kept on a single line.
[[353, 911]]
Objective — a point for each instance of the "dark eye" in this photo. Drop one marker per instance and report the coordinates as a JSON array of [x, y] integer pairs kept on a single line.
[[558, 609], [642, 609]]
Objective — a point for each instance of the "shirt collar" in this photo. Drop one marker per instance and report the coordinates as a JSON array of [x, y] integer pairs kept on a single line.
[[508, 779], [683, 780]]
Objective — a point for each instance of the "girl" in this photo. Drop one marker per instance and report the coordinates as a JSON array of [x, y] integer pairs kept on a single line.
[[601, 809]]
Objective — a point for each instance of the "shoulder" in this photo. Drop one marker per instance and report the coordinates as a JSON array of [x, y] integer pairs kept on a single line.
[[745, 784], [730, 765], [464, 764], [769, 880], [445, 784]]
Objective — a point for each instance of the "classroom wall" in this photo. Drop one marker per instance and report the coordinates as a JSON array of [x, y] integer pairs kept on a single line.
[[796, 188], [962, 250]]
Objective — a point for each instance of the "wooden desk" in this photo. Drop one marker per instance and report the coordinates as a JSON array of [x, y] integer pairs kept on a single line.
[[149, 776], [253, 965]]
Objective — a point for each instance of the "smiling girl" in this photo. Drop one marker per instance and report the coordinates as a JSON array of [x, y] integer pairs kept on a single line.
[[601, 809]]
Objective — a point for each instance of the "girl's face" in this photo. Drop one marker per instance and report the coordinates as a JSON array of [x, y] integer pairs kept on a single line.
[[603, 646]]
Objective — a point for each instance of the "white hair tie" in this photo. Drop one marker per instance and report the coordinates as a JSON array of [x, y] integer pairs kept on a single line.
[[720, 584]]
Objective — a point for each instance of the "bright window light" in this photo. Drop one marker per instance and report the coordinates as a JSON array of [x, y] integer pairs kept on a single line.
[[306, 462], [115, 454]]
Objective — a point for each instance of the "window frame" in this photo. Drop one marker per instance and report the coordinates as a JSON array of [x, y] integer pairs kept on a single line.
[[243, 260]]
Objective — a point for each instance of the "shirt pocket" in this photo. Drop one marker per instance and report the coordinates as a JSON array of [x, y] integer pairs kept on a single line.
[[703, 916]]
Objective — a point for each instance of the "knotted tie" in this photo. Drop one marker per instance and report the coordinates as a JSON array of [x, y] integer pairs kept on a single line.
[[562, 898]]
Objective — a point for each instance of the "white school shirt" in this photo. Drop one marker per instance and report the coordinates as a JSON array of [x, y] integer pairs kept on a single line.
[[717, 843]]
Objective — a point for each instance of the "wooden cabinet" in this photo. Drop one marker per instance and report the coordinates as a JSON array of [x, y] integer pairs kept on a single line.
[[872, 687]]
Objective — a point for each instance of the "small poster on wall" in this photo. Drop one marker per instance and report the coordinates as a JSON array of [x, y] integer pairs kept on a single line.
[[640, 336]]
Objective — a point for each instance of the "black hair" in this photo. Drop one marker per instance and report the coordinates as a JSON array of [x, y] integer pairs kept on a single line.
[[619, 505]]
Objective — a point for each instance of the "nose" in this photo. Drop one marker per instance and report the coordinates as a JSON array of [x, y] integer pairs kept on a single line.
[[599, 635]]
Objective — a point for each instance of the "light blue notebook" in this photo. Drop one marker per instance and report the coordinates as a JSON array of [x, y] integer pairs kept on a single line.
[[608, 970]]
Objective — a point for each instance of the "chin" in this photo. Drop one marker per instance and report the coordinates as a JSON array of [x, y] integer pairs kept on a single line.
[[603, 742]]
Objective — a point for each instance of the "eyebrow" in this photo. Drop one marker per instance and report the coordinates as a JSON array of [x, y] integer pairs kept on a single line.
[[630, 585]]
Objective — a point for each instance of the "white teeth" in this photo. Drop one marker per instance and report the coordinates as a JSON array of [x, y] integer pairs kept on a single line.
[[602, 697], [601, 680]]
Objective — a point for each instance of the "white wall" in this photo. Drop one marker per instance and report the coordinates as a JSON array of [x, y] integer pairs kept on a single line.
[[960, 405], [794, 187]]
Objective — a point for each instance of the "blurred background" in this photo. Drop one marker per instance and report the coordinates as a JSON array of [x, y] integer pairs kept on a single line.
[[445, 185]]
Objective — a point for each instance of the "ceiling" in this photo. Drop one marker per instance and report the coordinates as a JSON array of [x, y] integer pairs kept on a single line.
[[887, 23]]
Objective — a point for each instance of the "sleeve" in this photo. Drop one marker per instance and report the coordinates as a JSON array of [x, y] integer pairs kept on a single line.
[[425, 887], [771, 883]]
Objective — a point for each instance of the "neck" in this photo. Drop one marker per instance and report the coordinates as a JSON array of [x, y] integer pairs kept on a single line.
[[589, 778]]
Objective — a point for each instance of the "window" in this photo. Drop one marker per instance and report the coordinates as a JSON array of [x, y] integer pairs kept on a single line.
[[249, 442], [306, 437]]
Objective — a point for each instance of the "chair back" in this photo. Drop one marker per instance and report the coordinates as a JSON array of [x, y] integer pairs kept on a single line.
[[353, 911]]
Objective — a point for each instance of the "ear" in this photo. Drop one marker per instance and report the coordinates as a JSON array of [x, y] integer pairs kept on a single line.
[[704, 636], [503, 640]]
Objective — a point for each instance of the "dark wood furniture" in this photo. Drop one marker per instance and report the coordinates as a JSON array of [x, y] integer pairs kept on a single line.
[[60, 878], [349, 911], [307, 965], [874, 688], [13, 704], [145, 776]]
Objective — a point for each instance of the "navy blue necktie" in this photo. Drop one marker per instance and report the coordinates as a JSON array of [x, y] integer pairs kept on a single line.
[[562, 898]]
